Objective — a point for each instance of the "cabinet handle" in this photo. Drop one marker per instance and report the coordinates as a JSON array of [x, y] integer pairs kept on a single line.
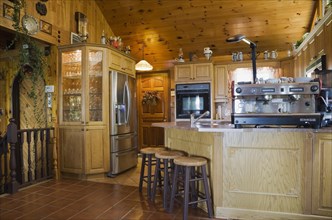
[[82, 129], [86, 122], [82, 122]]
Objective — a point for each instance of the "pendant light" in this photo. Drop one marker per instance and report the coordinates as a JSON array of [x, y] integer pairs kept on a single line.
[[143, 65]]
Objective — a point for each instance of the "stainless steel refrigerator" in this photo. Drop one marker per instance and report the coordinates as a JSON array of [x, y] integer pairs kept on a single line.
[[123, 122]]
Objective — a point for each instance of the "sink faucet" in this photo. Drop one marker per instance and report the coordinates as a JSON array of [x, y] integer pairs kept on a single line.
[[193, 120]]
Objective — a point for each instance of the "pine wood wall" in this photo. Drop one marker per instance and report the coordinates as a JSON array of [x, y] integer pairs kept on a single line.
[[61, 15]]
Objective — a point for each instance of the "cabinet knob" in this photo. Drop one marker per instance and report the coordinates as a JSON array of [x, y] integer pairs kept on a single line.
[[82, 122]]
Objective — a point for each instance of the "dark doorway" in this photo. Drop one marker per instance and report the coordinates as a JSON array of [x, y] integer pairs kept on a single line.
[[16, 100], [16, 116]]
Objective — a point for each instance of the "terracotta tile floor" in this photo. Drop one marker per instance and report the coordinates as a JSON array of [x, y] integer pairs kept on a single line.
[[105, 198]]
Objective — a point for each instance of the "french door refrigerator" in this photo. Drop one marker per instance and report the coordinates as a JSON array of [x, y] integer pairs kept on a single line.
[[123, 122]]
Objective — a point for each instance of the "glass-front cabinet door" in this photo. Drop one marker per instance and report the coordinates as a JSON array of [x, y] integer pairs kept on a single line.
[[72, 80], [95, 90], [81, 85]]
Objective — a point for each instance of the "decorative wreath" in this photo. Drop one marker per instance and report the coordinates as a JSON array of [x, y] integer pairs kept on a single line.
[[151, 98]]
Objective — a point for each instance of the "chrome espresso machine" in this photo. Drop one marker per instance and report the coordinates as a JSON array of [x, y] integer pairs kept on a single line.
[[275, 104]]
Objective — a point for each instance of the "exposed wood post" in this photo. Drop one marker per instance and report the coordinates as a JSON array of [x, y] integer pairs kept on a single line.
[[12, 139], [55, 156]]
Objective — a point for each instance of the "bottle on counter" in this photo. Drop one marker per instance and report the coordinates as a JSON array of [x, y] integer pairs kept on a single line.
[[103, 38]]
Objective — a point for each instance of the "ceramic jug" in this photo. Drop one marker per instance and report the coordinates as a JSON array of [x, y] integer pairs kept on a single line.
[[266, 55], [274, 54]]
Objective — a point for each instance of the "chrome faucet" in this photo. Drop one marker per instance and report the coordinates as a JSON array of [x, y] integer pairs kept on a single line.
[[193, 120]]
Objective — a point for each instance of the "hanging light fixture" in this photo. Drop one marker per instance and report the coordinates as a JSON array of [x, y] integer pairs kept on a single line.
[[143, 65]]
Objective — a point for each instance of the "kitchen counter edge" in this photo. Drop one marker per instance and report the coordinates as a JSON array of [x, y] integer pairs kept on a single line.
[[226, 126]]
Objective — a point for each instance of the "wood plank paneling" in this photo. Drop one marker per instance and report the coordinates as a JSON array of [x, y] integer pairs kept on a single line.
[[265, 167], [61, 14], [165, 26]]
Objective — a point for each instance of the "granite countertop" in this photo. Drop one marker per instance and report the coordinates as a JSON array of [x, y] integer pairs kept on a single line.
[[224, 126]]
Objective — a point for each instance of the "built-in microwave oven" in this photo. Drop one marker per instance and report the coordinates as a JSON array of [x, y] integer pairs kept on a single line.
[[192, 98]]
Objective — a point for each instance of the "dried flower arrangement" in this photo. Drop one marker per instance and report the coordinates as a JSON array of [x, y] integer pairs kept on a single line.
[[151, 98]]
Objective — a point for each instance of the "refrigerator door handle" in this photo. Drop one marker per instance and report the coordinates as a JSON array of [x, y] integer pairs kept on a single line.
[[126, 87], [124, 136], [131, 151]]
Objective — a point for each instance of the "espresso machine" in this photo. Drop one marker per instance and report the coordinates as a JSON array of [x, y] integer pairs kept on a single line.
[[275, 104]]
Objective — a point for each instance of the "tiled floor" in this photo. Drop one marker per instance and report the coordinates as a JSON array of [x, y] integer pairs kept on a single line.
[[106, 198]]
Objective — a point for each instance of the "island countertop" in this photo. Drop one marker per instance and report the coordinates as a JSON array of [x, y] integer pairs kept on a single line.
[[223, 126]]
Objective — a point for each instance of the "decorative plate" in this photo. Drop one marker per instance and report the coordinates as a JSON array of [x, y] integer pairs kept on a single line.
[[30, 24], [41, 8]]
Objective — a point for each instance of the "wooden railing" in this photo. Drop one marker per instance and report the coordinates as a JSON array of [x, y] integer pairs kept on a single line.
[[26, 157]]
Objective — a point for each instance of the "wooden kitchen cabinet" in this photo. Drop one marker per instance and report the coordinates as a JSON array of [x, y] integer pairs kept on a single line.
[[287, 68], [83, 151], [121, 63], [298, 65], [322, 175], [305, 59], [199, 72], [328, 42], [83, 81], [220, 83], [319, 44]]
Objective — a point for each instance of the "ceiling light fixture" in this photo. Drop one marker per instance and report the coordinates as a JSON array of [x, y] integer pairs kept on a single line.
[[241, 37], [143, 65]]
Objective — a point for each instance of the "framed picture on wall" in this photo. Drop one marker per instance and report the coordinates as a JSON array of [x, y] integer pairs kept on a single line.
[[75, 38], [45, 27], [8, 11]]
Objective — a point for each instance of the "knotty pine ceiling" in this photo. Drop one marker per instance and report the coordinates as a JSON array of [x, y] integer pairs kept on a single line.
[[165, 26]]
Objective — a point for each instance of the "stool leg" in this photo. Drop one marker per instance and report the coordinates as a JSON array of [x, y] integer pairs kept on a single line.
[[174, 182], [207, 193], [141, 177], [186, 192], [166, 182], [149, 174], [155, 180], [193, 189]]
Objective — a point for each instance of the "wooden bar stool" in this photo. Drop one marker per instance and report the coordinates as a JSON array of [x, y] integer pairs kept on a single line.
[[165, 157], [147, 160], [188, 166]]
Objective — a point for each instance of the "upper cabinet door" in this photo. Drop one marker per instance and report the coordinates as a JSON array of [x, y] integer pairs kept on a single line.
[[183, 72], [122, 63], [203, 71], [71, 86], [95, 85], [199, 72], [220, 83]]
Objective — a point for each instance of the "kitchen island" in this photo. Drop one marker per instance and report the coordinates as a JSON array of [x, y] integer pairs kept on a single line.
[[261, 173]]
